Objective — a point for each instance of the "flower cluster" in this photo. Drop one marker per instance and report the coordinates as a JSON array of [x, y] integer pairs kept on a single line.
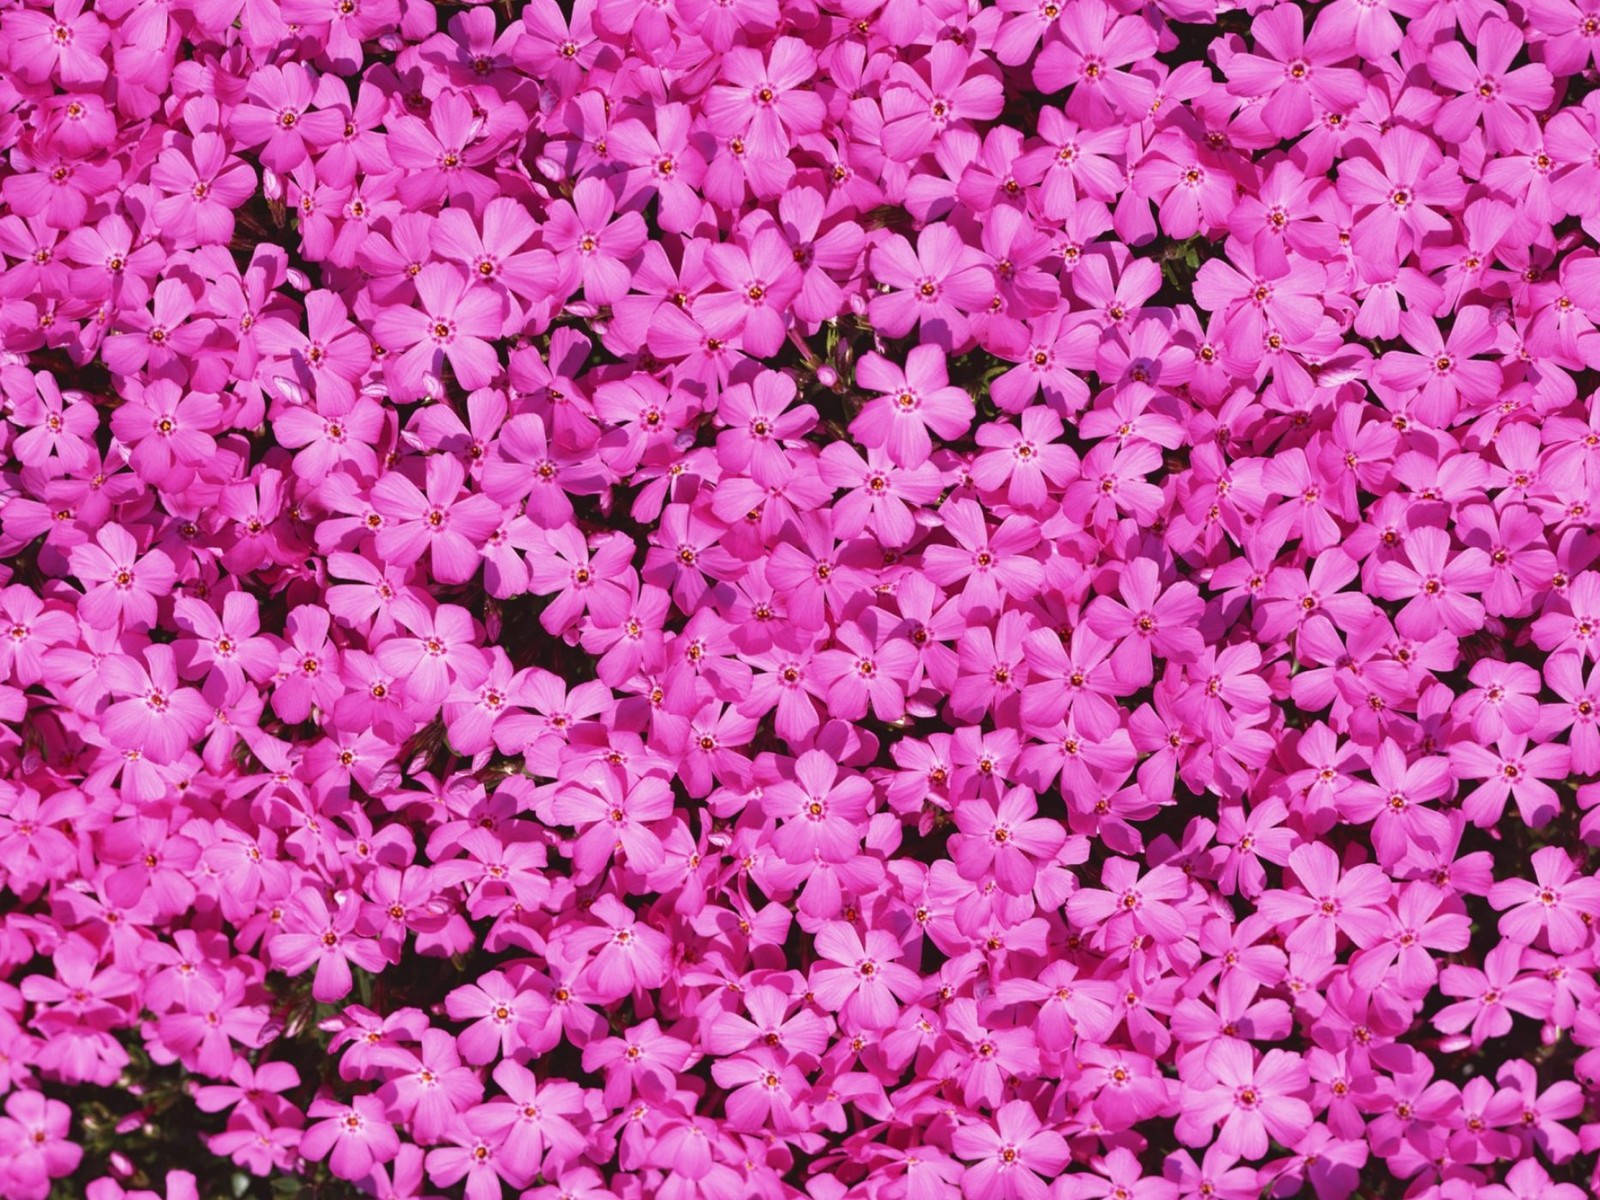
[[846, 599]]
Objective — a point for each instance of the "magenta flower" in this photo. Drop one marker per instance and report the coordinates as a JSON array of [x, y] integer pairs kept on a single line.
[[1027, 460], [1511, 770], [764, 98], [279, 118], [603, 243], [1576, 628], [761, 281], [911, 402], [331, 356], [440, 522], [942, 92], [203, 184], [167, 431], [1132, 904], [1351, 902], [453, 324], [533, 1122], [1398, 198], [988, 564], [613, 815], [436, 156], [505, 1017], [441, 651], [631, 955], [644, 1061], [824, 816], [865, 981], [308, 666], [1260, 293], [1443, 377], [124, 585], [1025, 552], [765, 1091], [1438, 586], [1500, 99], [156, 719], [430, 1089], [1147, 621], [1095, 47], [33, 1134]]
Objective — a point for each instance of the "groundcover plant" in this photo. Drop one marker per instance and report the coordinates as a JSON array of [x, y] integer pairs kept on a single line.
[[827, 599]]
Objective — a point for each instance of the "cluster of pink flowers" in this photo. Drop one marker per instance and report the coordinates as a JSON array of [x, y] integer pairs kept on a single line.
[[834, 599]]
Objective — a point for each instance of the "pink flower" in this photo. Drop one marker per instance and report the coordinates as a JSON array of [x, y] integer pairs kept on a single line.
[[33, 1136], [331, 356], [1493, 994], [1007, 838], [157, 719], [1132, 904], [1398, 198], [937, 285], [940, 92], [1557, 902], [871, 667], [631, 955], [1499, 98], [314, 934], [453, 323], [1295, 69], [436, 156], [533, 1121], [865, 981], [1352, 903], [124, 586], [1439, 586], [988, 564], [166, 429], [1579, 626], [66, 44], [429, 1090], [1527, 1180], [1282, 294], [203, 185], [441, 522], [1512, 770], [441, 651], [505, 1016], [1008, 1158], [278, 116], [761, 280], [1095, 46], [764, 96], [1027, 460], [308, 666], [353, 1138], [1147, 621], [765, 1091], [603, 243], [1443, 376], [613, 815], [1251, 1100]]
